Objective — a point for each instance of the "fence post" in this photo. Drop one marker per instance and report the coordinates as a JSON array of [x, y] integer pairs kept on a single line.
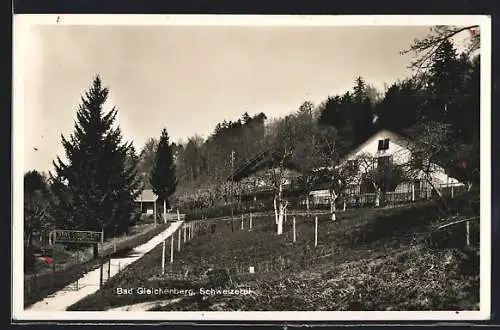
[[315, 231], [163, 259], [172, 249], [179, 241], [294, 232], [101, 274], [53, 274], [467, 232]]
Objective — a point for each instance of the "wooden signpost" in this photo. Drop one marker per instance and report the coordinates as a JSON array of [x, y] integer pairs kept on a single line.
[[79, 237], [76, 236]]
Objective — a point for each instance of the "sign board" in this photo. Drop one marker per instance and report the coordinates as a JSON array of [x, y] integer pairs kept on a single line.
[[77, 236]]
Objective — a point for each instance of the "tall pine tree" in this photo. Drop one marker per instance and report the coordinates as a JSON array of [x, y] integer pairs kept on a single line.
[[95, 189], [445, 82], [163, 177]]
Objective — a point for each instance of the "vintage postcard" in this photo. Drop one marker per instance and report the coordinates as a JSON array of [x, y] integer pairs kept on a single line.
[[225, 167]]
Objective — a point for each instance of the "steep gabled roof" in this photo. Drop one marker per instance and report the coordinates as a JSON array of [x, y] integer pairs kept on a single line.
[[395, 137], [147, 195], [265, 159]]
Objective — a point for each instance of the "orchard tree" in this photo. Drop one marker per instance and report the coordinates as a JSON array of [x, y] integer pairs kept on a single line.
[[382, 174], [463, 162], [163, 179], [430, 148], [327, 146], [304, 156], [281, 153], [95, 189]]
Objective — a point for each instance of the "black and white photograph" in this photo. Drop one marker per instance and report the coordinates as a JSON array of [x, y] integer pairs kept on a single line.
[[239, 167]]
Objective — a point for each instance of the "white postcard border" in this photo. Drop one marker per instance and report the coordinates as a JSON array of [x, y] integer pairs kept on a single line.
[[21, 23]]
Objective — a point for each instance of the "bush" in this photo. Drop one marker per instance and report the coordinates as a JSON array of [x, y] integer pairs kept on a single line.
[[29, 259]]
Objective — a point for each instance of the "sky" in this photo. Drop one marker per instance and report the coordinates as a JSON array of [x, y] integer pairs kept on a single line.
[[189, 78]]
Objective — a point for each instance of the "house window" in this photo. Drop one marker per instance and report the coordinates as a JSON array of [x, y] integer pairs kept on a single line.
[[383, 144], [384, 162]]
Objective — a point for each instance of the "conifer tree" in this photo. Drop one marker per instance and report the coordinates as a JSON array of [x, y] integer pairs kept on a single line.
[[163, 178], [95, 189]]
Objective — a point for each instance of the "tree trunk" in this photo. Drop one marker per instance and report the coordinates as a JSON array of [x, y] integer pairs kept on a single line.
[[377, 197], [438, 193], [344, 205], [333, 208], [95, 251], [280, 219], [30, 240], [165, 210], [275, 211], [281, 207]]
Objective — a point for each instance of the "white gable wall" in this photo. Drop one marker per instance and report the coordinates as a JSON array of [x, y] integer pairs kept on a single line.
[[401, 154]]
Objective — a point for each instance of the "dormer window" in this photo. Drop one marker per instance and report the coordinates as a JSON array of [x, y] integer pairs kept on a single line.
[[383, 144]]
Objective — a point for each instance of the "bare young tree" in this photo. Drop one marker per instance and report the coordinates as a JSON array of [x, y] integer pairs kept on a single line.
[[281, 159], [305, 155], [426, 48], [429, 142], [384, 175], [327, 145]]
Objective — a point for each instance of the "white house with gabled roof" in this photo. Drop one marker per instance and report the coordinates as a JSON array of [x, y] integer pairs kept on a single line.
[[383, 148], [386, 147]]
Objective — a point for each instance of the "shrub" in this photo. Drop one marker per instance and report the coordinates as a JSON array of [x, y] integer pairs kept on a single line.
[[29, 259]]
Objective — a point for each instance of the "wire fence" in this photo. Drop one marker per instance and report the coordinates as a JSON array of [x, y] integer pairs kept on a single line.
[[353, 198]]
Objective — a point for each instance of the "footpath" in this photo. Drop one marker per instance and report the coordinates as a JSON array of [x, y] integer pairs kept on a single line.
[[89, 282]]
